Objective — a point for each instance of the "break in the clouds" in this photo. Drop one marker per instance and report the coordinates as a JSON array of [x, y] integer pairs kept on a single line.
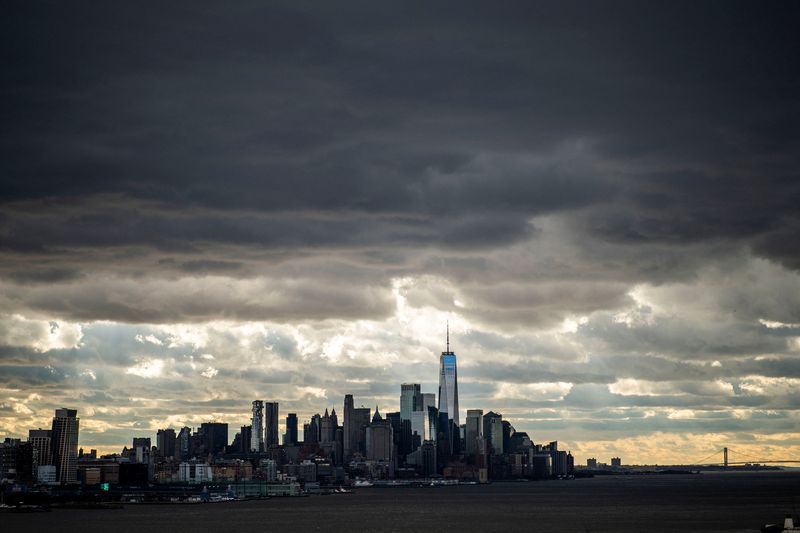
[[203, 204]]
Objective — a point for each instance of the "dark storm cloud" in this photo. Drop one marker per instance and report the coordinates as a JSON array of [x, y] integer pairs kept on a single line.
[[194, 300], [209, 265], [679, 337], [404, 108], [24, 377], [45, 275], [15, 355], [396, 140], [109, 222]]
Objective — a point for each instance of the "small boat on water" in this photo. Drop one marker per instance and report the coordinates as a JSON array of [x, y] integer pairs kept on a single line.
[[787, 527]]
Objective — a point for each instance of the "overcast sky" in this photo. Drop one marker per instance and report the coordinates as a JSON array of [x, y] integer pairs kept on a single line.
[[203, 205]]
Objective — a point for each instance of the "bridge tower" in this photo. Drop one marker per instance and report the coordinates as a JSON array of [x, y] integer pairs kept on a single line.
[[725, 456]]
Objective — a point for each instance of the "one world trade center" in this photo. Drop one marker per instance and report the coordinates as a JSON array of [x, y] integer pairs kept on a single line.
[[448, 383]]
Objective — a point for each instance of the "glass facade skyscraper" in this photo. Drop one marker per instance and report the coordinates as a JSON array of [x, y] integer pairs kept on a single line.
[[422, 422], [410, 398], [64, 444], [448, 383]]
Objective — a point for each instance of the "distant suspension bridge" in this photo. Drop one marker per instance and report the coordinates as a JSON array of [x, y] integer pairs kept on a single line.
[[731, 457]]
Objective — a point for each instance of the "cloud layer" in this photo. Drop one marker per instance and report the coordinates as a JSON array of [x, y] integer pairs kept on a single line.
[[204, 204]]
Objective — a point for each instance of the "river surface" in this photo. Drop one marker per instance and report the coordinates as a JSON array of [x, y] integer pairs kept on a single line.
[[704, 502]]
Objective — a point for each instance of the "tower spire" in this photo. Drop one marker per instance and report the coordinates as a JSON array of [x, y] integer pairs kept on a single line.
[[448, 336]]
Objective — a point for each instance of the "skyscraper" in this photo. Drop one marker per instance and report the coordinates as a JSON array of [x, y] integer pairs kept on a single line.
[[473, 430], [311, 431], [327, 429], [401, 433], [448, 383], [141, 449], [421, 423], [214, 437], [328, 425], [348, 426], [409, 399], [64, 443], [42, 452], [361, 419], [140, 442], [291, 429], [379, 439], [183, 447], [165, 442], [334, 422], [245, 439], [346, 422], [257, 423], [428, 400], [271, 440], [493, 432], [355, 425]]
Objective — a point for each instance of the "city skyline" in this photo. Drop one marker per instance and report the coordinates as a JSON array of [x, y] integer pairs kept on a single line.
[[204, 204], [266, 414]]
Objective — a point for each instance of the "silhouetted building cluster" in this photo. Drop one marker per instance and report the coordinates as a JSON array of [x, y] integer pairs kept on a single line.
[[49, 456], [592, 464]]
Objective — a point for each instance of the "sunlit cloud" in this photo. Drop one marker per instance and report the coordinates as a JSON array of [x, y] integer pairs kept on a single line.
[[150, 368]]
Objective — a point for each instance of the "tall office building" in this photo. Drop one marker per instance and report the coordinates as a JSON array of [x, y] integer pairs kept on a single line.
[[410, 398], [355, 422], [245, 439], [448, 383], [421, 422], [334, 422], [183, 444], [401, 432], [328, 425], [141, 449], [257, 425], [338, 447], [165, 442], [271, 411], [42, 452], [17, 461], [444, 439], [140, 442], [291, 429], [508, 432], [361, 419], [428, 400], [311, 431], [64, 443], [214, 437], [347, 426], [493, 432], [473, 430], [327, 429], [379, 439]]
